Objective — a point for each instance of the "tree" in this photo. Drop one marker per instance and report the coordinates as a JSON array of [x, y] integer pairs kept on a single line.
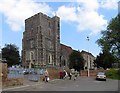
[[11, 53], [105, 60], [76, 60], [110, 40]]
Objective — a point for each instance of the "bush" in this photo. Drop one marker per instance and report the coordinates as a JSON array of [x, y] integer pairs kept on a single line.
[[113, 74]]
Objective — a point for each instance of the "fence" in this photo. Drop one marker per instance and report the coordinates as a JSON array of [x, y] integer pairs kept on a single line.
[[15, 73]]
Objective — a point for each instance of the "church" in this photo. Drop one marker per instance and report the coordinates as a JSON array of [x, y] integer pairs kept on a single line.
[[41, 45]]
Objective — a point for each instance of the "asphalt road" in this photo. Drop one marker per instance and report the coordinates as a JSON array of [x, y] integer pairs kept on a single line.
[[81, 84]]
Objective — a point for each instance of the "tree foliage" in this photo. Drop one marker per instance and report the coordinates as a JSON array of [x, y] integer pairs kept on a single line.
[[76, 60], [110, 40], [11, 53], [105, 60]]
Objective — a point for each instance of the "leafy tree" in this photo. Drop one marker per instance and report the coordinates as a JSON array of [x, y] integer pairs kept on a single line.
[[110, 40], [11, 53], [76, 60], [105, 60]]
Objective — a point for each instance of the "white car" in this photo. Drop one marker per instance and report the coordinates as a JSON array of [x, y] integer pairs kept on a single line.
[[101, 76]]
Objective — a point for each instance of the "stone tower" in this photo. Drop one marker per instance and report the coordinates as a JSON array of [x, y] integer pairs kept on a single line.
[[41, 41]]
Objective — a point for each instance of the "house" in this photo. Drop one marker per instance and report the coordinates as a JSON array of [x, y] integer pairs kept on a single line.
[[89, 59]]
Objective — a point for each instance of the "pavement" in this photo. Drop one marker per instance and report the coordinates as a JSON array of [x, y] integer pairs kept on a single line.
[[81, 84]]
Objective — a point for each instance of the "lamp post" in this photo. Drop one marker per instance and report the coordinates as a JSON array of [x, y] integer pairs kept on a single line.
[[88, 58]]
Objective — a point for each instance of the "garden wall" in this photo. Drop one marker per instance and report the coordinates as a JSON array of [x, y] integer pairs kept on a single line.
[[4, 81], [91, 72]]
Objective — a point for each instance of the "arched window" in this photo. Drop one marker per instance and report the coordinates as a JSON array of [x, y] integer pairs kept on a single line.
[[64, 63], [31, 55], [31, 43], [50, 59]]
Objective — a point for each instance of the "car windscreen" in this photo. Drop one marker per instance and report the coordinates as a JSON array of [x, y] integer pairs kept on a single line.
[[101, 73]]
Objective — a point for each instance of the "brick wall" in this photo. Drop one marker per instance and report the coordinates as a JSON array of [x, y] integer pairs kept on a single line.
[[91, 72], [53, 73]]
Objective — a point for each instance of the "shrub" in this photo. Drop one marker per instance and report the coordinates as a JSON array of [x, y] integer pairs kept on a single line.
[[113, 74]]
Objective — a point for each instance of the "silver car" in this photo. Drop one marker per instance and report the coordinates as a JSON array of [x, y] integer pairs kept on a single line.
[[101, 76]]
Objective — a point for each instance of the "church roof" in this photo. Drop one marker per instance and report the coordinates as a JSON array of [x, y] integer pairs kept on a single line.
[[67, 48]]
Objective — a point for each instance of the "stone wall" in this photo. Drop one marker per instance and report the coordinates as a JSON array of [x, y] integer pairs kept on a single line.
[[3, 71], [42, 37], [4, 81], [13, 82]]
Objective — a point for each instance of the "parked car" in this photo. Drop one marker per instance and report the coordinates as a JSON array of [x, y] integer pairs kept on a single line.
[[25, 72], [101, 76]]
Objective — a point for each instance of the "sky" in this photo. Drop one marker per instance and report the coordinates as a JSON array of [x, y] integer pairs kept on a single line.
[[78, 19]]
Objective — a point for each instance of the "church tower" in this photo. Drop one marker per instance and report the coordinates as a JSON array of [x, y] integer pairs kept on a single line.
[[41, 41]]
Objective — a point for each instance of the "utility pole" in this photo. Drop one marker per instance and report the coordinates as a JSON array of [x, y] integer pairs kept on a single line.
[[88, 58]]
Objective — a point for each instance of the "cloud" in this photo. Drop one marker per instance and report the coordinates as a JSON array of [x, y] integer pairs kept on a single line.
[[88, 5], [16, 11], [67, 13], [85, 15], [91, 21], [108, 4]]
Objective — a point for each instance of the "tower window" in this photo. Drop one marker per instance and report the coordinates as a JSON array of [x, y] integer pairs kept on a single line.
[[58, 24], [49, 24], [31, 43], [49, 58]]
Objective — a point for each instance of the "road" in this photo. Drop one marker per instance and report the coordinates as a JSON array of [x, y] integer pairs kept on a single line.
[[81, 84]]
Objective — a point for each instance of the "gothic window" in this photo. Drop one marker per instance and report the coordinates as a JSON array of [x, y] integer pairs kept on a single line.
[[49, 58], [64, 63], [49, 24], [52, 57], [32, 56], [27, 55]]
